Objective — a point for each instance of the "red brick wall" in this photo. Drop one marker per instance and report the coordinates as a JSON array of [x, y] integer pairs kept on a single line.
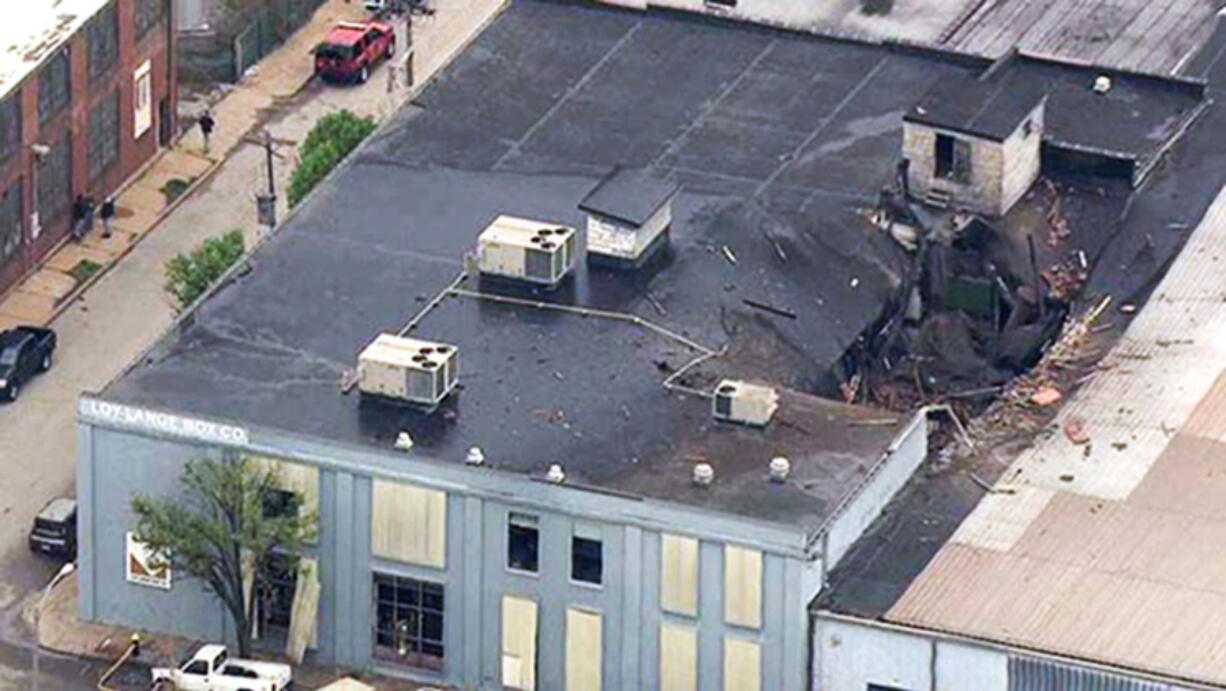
[[157, 46]]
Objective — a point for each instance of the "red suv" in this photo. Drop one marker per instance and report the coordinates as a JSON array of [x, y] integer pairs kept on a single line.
[[351, 48]]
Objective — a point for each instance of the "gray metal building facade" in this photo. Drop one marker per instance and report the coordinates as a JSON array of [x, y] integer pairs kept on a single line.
[[119, 458]]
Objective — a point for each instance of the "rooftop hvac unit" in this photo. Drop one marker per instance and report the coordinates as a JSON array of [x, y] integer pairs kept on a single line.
[[407, 369], [526, 250], [748, 404]]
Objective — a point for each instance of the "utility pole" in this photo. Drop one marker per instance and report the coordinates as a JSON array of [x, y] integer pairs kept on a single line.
[[266, 202]]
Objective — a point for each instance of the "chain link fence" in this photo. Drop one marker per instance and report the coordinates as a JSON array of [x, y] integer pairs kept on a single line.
[[272, 25]]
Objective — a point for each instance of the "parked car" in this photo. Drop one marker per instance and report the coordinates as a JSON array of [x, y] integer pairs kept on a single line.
[[212, 669], [55, 529], [352, 48], [24, 352]]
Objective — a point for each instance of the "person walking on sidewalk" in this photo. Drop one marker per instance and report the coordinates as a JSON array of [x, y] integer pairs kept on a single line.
[[83, 217], [107, 212], [207, 123]]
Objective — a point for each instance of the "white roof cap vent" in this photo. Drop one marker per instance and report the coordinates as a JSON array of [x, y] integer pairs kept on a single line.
[[475, 456], [704, 474], [780, 468], [555, 474], [1102, 84], [748, 404], [404, 441]]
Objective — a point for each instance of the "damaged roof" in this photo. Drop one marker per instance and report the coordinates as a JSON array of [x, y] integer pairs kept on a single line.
[[33, 30]]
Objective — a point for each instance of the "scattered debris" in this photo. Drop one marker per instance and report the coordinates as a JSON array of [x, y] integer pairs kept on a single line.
[[1067, 477], [1119, 445], [728, 254], [1128, 308], [1046, 396], [1075, 430], [656, 304], [769, 308]]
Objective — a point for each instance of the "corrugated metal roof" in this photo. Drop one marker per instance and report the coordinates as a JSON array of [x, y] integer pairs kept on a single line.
[[34, 29], [1113, 551]]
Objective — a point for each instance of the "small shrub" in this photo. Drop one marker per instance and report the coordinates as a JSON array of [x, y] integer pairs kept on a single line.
[[332, 138], [189, 275], [175, 187], [84, 270]]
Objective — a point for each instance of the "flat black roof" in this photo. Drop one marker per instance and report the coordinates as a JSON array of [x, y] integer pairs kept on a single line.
[[978, 107], [629, 195], [781, 142]]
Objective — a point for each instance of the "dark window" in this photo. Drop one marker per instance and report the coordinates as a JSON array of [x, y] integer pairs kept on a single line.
[[278, 503], [11, 235], [197, 667], [408, 621], [10, 127], [103, 38], [149, 13], [104, 135], [54, 86], [725, 4], [953, 158], [55, 182], [523, 542], [586, 560], [879, 687]]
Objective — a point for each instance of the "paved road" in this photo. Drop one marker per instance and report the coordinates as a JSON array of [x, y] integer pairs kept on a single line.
[[109, 326]]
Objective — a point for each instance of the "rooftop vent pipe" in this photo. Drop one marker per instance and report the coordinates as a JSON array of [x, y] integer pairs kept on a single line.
[[1102, 84], [555, 474], [475, 456], [780, 468], [404, 441], [704, 474]]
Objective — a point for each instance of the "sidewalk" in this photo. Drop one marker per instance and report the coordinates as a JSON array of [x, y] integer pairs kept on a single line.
[[142, 204]]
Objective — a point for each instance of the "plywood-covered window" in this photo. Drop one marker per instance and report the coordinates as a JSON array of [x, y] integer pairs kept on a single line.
[[742, 586], [408, 523], [679, 575], [678, 658], [297, 487], [583, 647], [742, 665], [518, 643]]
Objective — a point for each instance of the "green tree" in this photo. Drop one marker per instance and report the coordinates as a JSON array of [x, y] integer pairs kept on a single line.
[[329, 141], [223, 529], [189, 275]]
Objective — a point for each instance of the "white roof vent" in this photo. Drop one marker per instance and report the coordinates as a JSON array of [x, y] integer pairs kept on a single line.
[[404, 441], [475, 456], [1102, 84], [406, 369], [555, 474], [525, 250], [704, 474], [780, 469], [748, 404]]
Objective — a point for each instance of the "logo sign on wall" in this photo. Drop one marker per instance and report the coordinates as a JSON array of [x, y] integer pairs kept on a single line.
[[146, 567]]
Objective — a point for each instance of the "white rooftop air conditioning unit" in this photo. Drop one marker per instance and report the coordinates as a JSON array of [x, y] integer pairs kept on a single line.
[[748, 404], [526, 250], [407, 369]]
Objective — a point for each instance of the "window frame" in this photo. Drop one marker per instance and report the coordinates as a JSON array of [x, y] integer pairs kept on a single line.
[[12, 222], [147, 15], [419, 658], [590, 537], [55, 85], [957, 166], [102, 42], [524, 523], [55, 187], [142, 99], [105, 122], [10, 126]]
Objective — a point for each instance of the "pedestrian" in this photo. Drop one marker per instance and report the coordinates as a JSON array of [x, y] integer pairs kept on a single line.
[[88, 221], [78, 217], [107, 213], [207, 123]]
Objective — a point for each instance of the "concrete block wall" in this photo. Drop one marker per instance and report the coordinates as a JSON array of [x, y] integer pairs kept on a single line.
[[1022, 158]]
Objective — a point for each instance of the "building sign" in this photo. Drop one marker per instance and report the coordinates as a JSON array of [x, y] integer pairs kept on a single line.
[[163, 423], [144, 567]]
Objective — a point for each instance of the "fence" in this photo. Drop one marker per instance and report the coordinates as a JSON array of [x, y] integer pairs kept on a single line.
[[273, 24]]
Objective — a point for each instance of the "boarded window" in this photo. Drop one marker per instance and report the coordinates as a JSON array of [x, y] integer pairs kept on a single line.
[[409, 524], [678, 658], [953, 158], [103, 38], [54, 86], [10, 127], [518, 643], [104, 135], [408, 621], [583, 647], [679, 575], [148, 14], [142, 104], [297, 487], [11, 227], [742, 665], [742, 586], [55, 182]]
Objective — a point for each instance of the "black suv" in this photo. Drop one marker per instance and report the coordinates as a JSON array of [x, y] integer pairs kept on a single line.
[[55, 529], [24, 352]]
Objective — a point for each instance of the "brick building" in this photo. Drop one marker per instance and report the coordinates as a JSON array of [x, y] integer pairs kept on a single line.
[[87, 95]]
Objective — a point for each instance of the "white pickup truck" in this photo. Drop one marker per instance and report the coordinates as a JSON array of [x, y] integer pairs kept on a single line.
[[212, 669]]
